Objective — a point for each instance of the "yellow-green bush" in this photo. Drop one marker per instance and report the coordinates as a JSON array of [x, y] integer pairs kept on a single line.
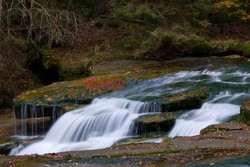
[[142, 13], [246, 49]]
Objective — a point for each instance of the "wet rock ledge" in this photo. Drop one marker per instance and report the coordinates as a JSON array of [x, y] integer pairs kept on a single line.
[[191, 99], [172, 107], [154, 123], [69, 95]]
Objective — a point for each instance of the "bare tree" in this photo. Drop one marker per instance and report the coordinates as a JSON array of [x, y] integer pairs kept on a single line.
[[50, 24]]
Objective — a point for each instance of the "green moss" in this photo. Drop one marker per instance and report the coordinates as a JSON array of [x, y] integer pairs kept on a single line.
[[246, 49], [154, 123], [75, 69], [190, 99], [76, 88], [159, 118], [199, 93]]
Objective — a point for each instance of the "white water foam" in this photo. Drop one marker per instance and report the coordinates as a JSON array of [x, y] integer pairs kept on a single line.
[[191, 123], [96, 126]]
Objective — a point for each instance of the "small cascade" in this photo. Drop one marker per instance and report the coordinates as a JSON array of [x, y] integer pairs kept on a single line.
[[96, 126], [33, 120], [218, 110], [191, 123], [24, 120]]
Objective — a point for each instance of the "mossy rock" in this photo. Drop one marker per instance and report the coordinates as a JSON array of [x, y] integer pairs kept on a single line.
[[154, 123], [245, 112], [188, 100], [70, 95]]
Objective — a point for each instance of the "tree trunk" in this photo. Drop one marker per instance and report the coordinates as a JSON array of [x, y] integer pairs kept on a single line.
[[30, 19], [69, 4], [1, 11]]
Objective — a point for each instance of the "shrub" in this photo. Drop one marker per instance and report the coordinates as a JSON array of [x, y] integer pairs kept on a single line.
[[234, 47], [129, 42], [98, 24], [90, 8], [246, 49], [168, 37], [140, 13], [114, 24], [222, 17], [202, 49]]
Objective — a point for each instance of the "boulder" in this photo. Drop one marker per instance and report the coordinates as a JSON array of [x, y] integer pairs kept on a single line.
[[191, 99], [245, 112], [154, 123]]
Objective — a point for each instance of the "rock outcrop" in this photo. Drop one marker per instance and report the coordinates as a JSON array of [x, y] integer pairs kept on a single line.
[[191, 99], [154, 123]]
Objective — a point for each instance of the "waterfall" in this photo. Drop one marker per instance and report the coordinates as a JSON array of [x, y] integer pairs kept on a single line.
[[110, 118], [98, 125], [191, 123], [216, 111], [29, 120]]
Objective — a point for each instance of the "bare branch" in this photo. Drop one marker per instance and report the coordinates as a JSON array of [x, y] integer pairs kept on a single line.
[[52, 25]]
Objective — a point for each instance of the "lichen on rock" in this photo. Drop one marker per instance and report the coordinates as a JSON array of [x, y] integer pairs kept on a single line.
[[154, 123], [191, 99]]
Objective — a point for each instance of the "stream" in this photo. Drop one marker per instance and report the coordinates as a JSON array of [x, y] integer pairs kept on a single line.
[[110, 118]]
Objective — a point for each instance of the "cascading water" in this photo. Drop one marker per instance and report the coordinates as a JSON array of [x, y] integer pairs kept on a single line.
[[110, 118], [96, 126], [30, 121], [218, 110], [191, 123]]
